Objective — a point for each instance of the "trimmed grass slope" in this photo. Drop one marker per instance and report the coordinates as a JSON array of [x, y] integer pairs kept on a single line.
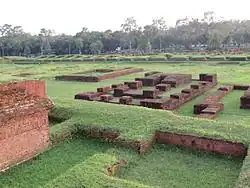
[[138, 123], [91, 173], [170, 166], [244, 177], [51, 164]]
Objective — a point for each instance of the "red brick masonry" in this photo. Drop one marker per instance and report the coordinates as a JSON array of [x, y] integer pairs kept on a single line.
[[200, 143], [24, 127]]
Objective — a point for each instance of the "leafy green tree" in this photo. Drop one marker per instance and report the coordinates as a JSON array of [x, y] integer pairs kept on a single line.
[[96, 47], [129, 28]]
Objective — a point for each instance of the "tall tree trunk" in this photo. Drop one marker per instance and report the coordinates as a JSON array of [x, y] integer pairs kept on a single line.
[[2, 50], [130, 46], [160, 44], [69, 48], [41, 48], [149, 46]]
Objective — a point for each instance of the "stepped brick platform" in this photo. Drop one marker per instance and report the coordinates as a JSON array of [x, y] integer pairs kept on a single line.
[[134, 93], [90, 75], [155, 78], [210, 106], [24, 127]]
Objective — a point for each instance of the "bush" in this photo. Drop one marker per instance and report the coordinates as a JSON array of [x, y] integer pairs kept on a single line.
[[168, 55], [217, 58], [237, 58], [198, 58], [179, 59], [113, 59], [126, 59], [140, 58], [87, 59], [99, 59], [157, 59]]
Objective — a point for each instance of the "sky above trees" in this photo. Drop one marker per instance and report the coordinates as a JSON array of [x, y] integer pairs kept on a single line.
[[69, 16]]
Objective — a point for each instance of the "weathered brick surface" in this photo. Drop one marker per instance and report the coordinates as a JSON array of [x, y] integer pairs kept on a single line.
[[32, 87], [152, 98], [24, 127], [87, 95], [245, 100], [125, 100], [201, 143], [20, 124], [110, 73], [210, 106], [134, 85], [163, 87], [22, 147], [104, 89], [106, 97]]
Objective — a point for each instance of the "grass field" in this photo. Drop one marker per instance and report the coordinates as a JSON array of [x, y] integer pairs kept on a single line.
[[162, 166]]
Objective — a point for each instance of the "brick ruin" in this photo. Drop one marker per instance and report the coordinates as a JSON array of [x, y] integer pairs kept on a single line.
[[210, 106], [245, 99], [134, 93], [105, 74], [24, 126]]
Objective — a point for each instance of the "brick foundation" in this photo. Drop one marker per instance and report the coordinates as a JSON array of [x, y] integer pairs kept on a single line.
[[33, 87], [24, 126]]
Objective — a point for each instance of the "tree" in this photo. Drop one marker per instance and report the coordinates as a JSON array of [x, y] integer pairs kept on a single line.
[[210, 31], [78, 44], [161, 26], [96, 47], [150, 32], [4, 32], [45, 37], [130, 27]]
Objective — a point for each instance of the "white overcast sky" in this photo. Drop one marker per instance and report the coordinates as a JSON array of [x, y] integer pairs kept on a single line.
[[69, 16]]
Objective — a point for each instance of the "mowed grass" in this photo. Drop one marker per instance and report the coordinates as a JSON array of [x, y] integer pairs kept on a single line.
[[83, 162], [170, 166], [51, 164], [231, 110], [133, 122], [226, 73]]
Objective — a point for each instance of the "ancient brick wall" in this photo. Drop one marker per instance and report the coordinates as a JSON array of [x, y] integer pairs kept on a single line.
[[33, 87], [22, 137], [24, 126]]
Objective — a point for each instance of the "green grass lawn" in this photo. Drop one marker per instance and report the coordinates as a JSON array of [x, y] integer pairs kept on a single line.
[[84, 162], [136, 122], [51, 164], [169, 166], [163, 166]]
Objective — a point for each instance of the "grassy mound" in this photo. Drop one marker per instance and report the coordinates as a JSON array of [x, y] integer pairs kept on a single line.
[[138, 123]]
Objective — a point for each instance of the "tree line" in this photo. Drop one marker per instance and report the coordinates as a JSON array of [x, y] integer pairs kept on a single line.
[[207, 33]]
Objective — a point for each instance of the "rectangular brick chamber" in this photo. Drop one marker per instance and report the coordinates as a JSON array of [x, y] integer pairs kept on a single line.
[[189, 141], [202, 143], [155, 78], [24, 127], [133, 93], [141, 146], [107, 74], [210, 106]]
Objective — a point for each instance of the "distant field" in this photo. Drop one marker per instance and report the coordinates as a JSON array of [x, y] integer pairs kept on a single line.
[[65, 165], [164, 57]]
